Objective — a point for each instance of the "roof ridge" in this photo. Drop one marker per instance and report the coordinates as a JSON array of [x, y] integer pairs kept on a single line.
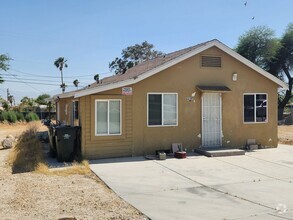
[[148, 65]]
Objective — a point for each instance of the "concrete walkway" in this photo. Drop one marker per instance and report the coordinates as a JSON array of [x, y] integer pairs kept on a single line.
[[258, 185]]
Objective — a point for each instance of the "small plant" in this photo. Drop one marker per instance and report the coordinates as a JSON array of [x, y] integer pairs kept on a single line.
[[27, 153], [19, 116], [11, 117], [3, 116], [31, 117]]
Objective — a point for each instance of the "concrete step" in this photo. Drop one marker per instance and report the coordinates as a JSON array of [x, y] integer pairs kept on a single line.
[[219, 152]]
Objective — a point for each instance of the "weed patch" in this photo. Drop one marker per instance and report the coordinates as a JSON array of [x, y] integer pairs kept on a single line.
[[82, 168], [27, 153]]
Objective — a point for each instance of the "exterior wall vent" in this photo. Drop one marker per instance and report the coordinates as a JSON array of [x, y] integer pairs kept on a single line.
[[211, 61]]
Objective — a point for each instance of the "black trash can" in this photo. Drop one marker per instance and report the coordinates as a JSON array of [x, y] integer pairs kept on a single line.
[[52, 140], [66, 142]]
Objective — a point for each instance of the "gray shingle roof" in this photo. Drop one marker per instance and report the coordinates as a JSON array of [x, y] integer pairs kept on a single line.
[[145, 66]]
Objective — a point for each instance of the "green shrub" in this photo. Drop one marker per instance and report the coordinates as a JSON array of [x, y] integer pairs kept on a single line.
[[19, 116], [11, 117], [3, 116], [31, 117]]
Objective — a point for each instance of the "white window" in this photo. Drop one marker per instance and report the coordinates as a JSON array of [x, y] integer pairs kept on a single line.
[[255, 108], [162, 109], [108, 117]]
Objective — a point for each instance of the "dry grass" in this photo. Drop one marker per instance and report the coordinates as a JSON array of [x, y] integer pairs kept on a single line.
[[82, 168], [285, 134], [28, 155]]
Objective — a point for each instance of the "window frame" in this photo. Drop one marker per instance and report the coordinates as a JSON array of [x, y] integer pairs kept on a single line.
[[108, 112], [267, 108], [162, 108]]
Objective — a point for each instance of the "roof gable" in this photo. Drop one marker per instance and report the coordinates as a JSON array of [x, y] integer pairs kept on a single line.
[[151, 67]]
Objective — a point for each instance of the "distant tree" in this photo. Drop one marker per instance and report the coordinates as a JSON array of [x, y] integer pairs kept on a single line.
[[4, 64], [132, 56], [27, 104], [75, 83], [97, 78], [4, 104], [10, 99], [41, 99], [275, 55], [60, 63]]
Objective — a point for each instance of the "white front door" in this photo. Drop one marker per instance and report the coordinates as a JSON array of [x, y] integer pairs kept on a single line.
[[211, 119]]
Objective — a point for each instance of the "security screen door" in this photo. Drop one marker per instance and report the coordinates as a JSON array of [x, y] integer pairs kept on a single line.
[[211, 119]]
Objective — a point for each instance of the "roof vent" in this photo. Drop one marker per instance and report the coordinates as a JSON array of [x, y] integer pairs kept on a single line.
[[211, 61]]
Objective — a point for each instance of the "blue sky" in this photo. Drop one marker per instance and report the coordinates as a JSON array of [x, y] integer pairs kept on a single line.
[[90, 34]]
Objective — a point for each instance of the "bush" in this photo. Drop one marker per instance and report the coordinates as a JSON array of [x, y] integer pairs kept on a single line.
[[31, 117], [11, 117], [3, 116], [27, 153], [19, 116]]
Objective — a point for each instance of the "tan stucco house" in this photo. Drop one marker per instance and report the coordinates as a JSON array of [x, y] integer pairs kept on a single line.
[[206, 95]]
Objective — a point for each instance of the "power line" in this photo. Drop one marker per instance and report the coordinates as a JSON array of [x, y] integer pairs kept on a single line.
[[3, 74], [26, 83], [36, 75], [35, 80], [38, 83]]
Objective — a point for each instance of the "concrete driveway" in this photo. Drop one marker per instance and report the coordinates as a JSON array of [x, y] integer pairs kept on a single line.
[[258, 185]]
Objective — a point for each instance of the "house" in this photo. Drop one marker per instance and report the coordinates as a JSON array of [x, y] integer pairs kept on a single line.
[[205, 95]]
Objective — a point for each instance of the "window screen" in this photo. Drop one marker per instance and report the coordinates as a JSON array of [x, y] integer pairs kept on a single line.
[[162, 109], [108, 117], [255, 108], [155, 109]]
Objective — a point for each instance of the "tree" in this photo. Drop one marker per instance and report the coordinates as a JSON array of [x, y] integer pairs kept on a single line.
[[259, 45], [4, 104], [274, 55], [41, 99], [75, 83], [60, 63], [27, 104], [97, 78], [282, 66], [132, 56], [4, 64], [10, 99]]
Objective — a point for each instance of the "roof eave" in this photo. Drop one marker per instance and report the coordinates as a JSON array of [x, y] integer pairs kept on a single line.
[[251, 65]]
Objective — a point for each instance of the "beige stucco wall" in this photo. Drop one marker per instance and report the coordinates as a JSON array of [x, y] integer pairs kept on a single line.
[[139, 139], [105, 146], [64, 110]]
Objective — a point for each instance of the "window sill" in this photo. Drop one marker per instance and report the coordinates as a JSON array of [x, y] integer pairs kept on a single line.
[[249, 123], [107, 135], [160, 126]]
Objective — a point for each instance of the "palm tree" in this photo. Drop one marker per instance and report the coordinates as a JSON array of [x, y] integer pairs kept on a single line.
[[10, 99], [97, 78], [60, 63], [75, 83]]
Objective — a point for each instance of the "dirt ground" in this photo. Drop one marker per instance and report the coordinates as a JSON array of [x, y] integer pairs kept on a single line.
[[285, 134], [38, 196]]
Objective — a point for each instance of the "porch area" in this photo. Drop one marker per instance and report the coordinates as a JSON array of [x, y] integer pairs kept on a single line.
[[219, 151]]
